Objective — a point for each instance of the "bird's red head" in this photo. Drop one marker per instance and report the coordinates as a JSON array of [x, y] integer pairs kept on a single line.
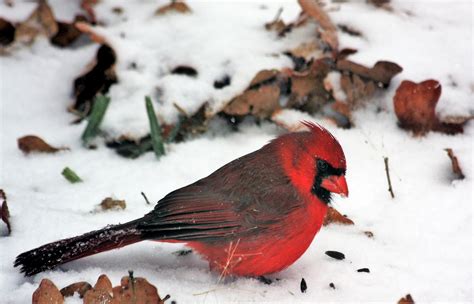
[[314, 161]]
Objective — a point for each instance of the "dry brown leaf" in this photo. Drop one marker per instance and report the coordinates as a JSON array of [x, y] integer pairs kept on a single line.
[[406, 300], [5, 213], [381, 73], [80, 287], [135, 290], [109, 203], [333, 216], [261, 99], [350, 30], [308, 91], [307, 50], [101, 293], [174, 6], [415, 105], [357, 90], [47, 293], [33, 143], [7, 32], [327, 30], [344, 53], [342, 115], [40, 22], [455, 164]]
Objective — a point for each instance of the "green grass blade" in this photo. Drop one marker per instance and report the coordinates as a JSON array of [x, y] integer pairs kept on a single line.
[[155, 129], [101, 103]]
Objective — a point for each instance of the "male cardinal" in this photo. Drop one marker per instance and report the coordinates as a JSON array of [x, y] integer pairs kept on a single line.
[[254, 216]]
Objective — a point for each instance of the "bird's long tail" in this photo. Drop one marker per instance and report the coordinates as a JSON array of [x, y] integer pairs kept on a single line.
[[53, 254]]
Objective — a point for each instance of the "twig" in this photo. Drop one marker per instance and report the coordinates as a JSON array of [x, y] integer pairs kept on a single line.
[[155, 129], [387, 171], [71, 176], [146, 199], [101, 103]]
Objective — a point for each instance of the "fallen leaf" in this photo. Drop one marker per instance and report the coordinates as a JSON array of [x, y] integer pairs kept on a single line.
[[7, 32], [47, 293], [129, 147], [174, 6], [5, 212], [308, 91], [80, 288], [189, 125], [381, 73], [359, 83], [40, 22], [415, 104], [110, 203], [135, 290], [406, 300], [333, 216], [97, 79], [327, 29], [455, 164], [260, 99], [33, 143], [101, 293], [344, 53]]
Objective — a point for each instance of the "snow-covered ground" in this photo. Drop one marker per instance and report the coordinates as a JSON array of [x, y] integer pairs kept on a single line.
[[422, 241]]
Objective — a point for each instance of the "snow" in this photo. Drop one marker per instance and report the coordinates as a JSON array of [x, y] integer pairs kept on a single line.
[[422, 241]]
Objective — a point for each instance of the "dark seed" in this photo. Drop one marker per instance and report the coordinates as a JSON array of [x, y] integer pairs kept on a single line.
[[363, 270], [336, 255], [332, 285], [303, 286], [225, 81], [265, 280], [185, 70]]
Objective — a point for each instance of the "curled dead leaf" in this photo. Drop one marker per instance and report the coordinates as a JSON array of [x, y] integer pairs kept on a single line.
[[80, 288], [406, 300], [174, 6], [327, 29], [457, 171], [110, 203], [33, 143], [67, 33], [5, 213], [333, 216], [415, 105], [47, 293], [381, 73], [40, 22]]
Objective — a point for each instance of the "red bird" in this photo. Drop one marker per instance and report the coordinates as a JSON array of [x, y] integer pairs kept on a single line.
[[254, 216]]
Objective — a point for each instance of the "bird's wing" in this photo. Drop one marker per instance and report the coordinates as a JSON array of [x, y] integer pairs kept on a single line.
[[245, 195]]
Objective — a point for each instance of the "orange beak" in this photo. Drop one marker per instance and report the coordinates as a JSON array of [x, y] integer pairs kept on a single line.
[[336, 184]]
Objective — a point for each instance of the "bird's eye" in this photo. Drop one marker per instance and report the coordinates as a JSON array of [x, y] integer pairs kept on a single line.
[[322, 165]]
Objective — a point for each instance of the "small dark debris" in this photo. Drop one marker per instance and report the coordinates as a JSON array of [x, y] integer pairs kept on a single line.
[[183, 252], [7, 32], [174, 302], [335, 255], [299, 63], [130, 148], [265, 280], [67, 33], [363, 270], [303, 286], [332, 285], [349, 30], [223, 82], [185, 70], [369, 234]]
